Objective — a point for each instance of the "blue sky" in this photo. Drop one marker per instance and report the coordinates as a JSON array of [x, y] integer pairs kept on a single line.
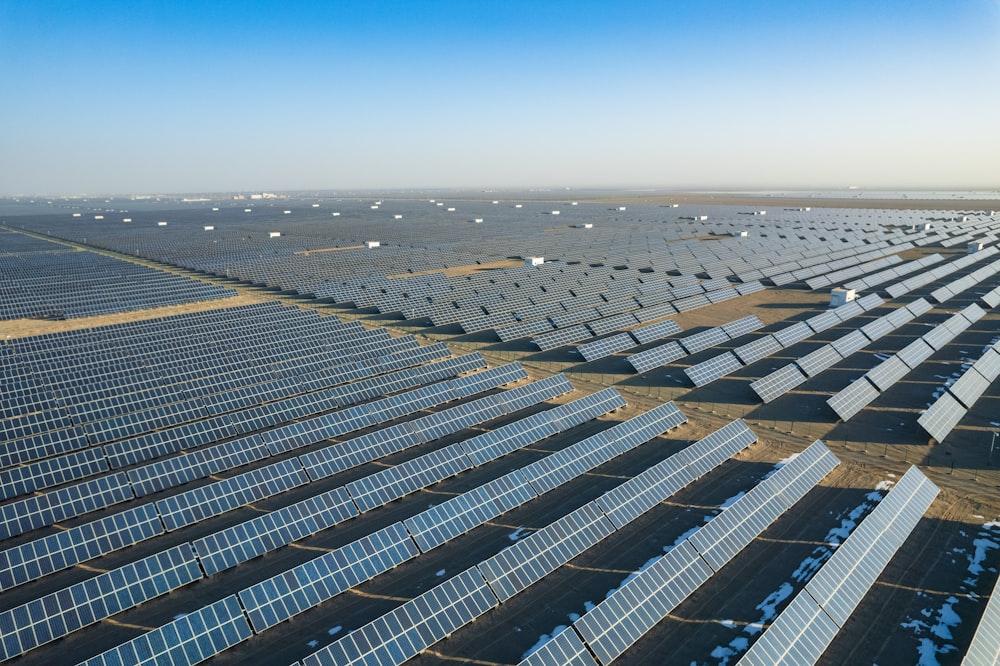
[[138, 96]]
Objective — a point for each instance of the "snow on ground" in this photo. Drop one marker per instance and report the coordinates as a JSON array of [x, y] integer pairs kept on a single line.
[[519, 533], [934, 631]]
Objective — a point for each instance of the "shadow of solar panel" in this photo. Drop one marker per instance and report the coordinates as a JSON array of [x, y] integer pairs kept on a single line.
[[416, 625], [190, 639], [657, 331], [294, 591], [839, 586], [257, 536], [657, 356], [517, 567], [852, 399], [941, 417], [708, 371], [915, 353], [778, 383], [818, 360]]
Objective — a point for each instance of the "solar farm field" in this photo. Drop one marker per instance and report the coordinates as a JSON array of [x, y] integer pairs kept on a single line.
[[334, 430]]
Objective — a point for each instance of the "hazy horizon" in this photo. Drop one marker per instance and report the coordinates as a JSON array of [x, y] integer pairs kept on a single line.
[[119, 97]]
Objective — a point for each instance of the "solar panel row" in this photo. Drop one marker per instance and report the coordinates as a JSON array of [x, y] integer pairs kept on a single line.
[[801, 633]]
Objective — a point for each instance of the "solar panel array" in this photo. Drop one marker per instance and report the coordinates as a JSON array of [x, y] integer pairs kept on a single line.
[[985, 647], [801, 633], [692, 344], [43, 279], [950, 407]]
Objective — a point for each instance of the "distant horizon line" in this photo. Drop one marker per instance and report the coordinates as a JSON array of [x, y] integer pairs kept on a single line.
[[630, 189]]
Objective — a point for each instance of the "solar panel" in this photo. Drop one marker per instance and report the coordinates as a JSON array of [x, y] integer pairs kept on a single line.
[[842, 582], [757, 349], [657, 331], [778, 383], [870, 302], [712, 369], [606, 347], [973, 313], [985, 647], [899, 316], [969, 387], [703, 340], [919, 307], [190, 639], [416, 625], [200, 503], [818, 360], [60, 613], [458, 515], [939, 336], [67, 548], [527, 395], [562, 336], [563, 649], [852, 399], [850, 343], [294, 591], [789, 335], [847, 310], [657, 356], [915, 353], [822, 321], [652, 486], [527, 561], [51, 472], [738, 327], [942, 416], [988, 364], [488, 379], [798, 637], [877, 328], [635, 607], [57, 505], [242, 542], [613, 323], [887, 373]]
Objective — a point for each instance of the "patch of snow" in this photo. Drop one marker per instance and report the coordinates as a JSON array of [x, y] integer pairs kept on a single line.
[[729, 624], [573, 617], [732, 500], [545, 638], [519, 533], [312, 643], [439, 573], [335, 630]]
